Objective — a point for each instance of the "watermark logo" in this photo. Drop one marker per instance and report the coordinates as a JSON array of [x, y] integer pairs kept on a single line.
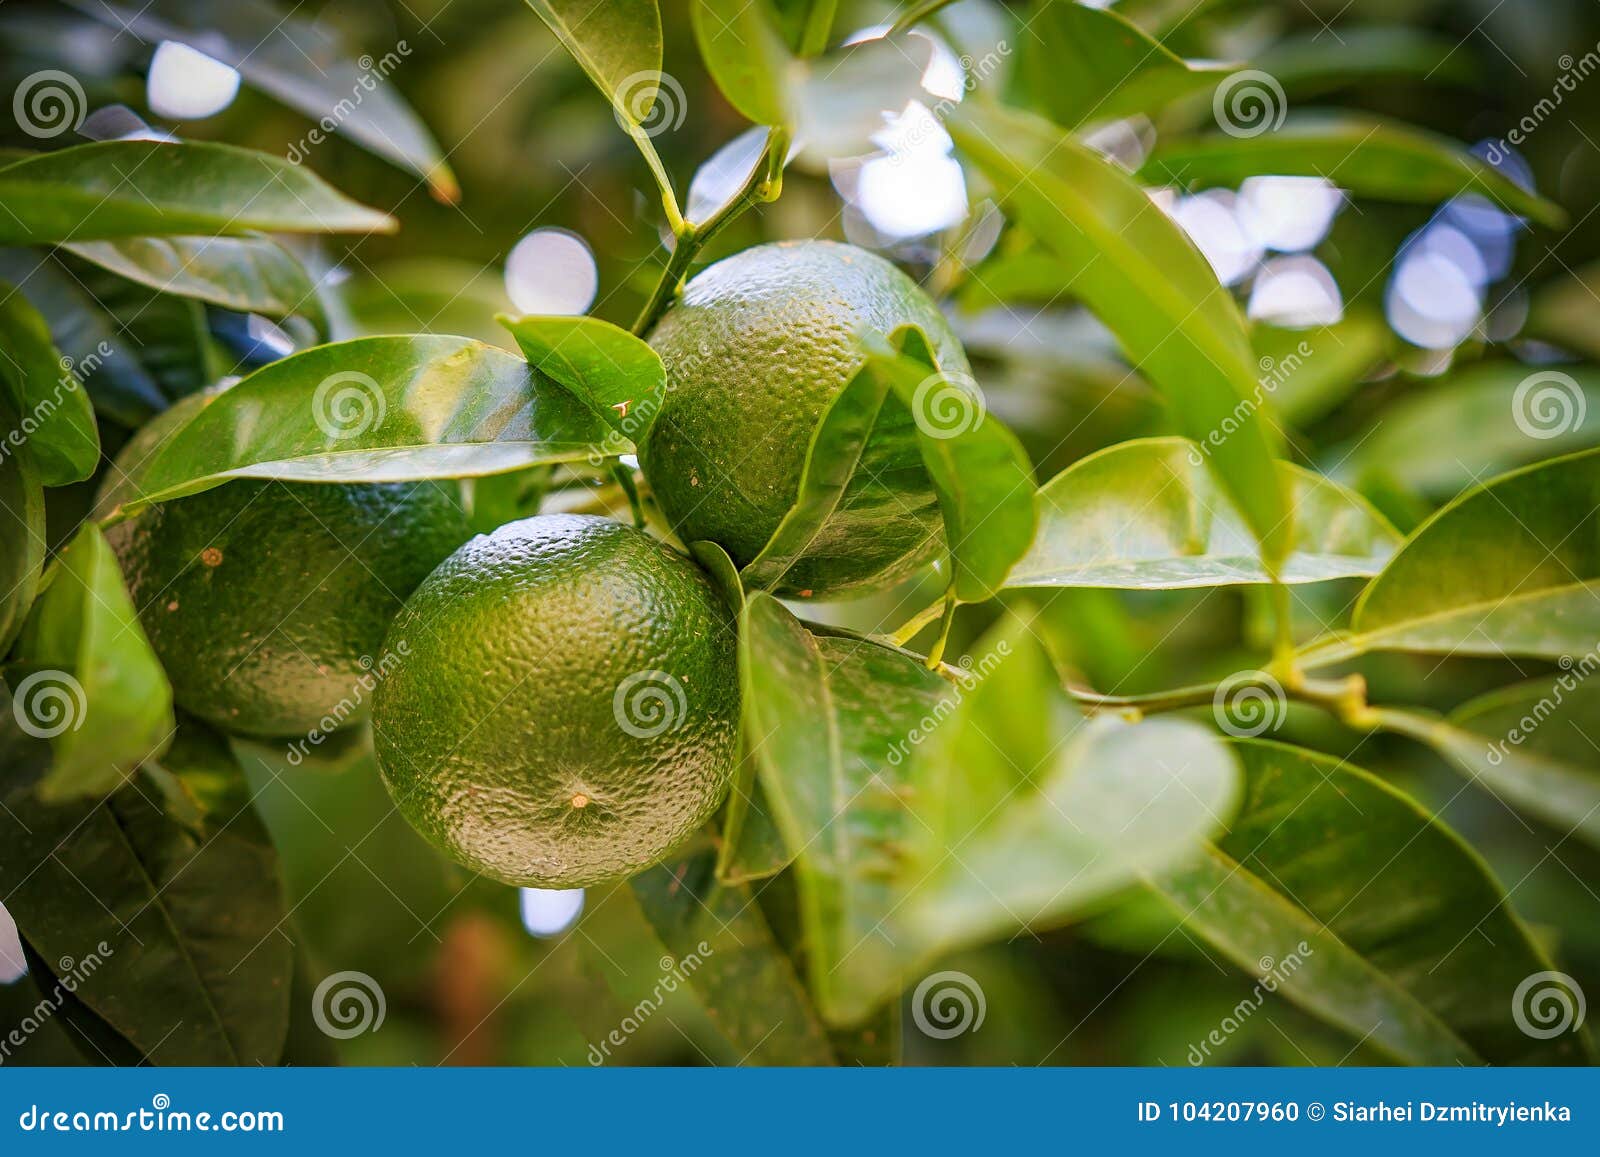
[[70, 976], [348, 404], [947, 1004], [1548, 1004], [674, 973], [649, 703], [373, 73], [347, 1004], [1548, 404], [1249, 703], [652, 102], [341, 712], [1271, 975], [947, 405], [49, 703], [1273, 372], [1250, 103], [49, 103]]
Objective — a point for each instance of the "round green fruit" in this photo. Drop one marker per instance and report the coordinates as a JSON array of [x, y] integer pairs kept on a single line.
[[562, 702], [267, 602], [755, 351]]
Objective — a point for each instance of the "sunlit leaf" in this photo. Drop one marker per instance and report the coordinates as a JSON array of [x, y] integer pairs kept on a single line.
[[745, 53], [613, 373], [617, 43]]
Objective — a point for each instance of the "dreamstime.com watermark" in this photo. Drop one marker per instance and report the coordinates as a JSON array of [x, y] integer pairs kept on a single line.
[[160, 1117], [341, 712], [1574, 672], [633, 418], [1249, 703], [1547, 1004], [1272, 973], [649, 703], [49, 103], [1573, 73], [1274, 372], [948, 404], [947, 1004], [70, 976], [373, 73], [968, 674], [673, 974], [1549, 404], [69, 380], [1249, 103], [49, 703], [974, 71], [348, 404], [650, 102], [347, 1004]]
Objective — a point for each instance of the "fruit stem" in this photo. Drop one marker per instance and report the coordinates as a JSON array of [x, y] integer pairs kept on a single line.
[[913, 626], [624, 478], [764, 184], [936, 654]]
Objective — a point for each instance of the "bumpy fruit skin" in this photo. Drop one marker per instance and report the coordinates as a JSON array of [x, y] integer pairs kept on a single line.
[[755, 351], [267, 602], [563, 702]]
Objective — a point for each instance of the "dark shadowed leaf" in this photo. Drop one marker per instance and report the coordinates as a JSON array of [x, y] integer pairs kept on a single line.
[[248, 274], [719, 940], [1131, 265], [172, 927], [1367, 912], [299, 62], [1500, 571], [21, 563], [112, 189], [1371, 158], [1314, 62], [1082, 65], [55, 420], [1149, 515], [377, 409], [93, 683]]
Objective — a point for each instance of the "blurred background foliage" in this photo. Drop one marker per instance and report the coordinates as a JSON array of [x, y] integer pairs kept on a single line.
[[1423, 308]]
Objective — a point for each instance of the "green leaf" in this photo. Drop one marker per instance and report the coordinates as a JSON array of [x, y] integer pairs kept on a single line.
[[173, 931], [112, 189], [377, 409], [1534, 745], [1477, 423], [1148, 515], [614, 374], [95, 687], [1083, 65], [427, 295], [1315, 62], [22, 562], [719, 941], [1565, 311], [915, 834], [1368, 157], [746, 56], [617, 43], [1367, 912], [1313, 371], [248, 274], [300, 63], [56, 421], [1134, 268], [1500, 571]]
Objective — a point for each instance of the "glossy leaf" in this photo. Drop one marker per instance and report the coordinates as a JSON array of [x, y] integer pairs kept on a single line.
[[54, 418], [379, 409], [95, 686], [617, 43], [1500, 571], [1148, 515], [248, 274], [746, 56], [113, 189], [1475, 424], [614, 374], [173, 927], [718, 939], [300, 63], [1367, 912], [1370, 158], [915, 834], [1140, 275], [22, 562], [1083, 65]]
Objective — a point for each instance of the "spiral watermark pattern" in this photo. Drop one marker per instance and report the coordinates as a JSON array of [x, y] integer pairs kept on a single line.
[[652, 102], [348, 404], [947, 1004], [947, 405], [649, 703], [1549, 404], [1250, 103], [1249, 703], [48, 103], [348, 1004], [1548, 1004], [48, 703]]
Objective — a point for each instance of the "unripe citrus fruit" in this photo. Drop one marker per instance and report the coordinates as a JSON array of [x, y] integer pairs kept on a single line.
[[755, 351], [565, 704], [267, 602]]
